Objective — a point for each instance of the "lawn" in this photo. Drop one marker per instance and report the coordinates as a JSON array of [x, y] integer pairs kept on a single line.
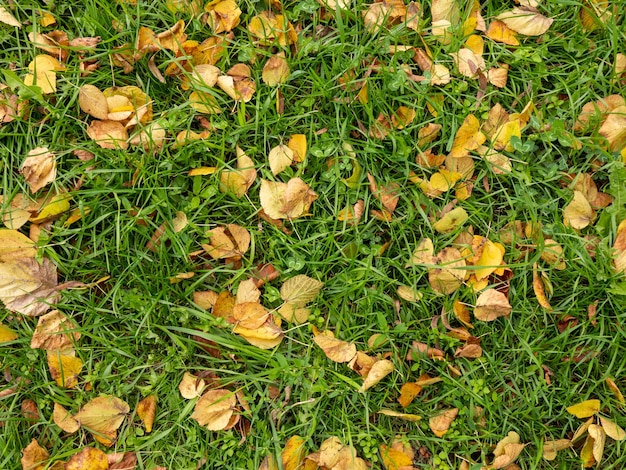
[[309, 235]]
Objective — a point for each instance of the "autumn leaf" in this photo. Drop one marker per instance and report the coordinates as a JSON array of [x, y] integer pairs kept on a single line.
[[279, 158], [14, 246], [43, 73], [293, 453], [102, 416], [550, 448], [34, 456], [598, 438], [449, 273], [610, 383], [266, 336], [300, 290], [54, 331], [7, 334], [7, 17], [88, 458], [539, 289], [146, 410], [230, 242], [286, 200], [553, 254], [613, 129], [440, 423], [506, 452], [335, 349], [223, 15], [578, 214], [467, 138], [491, 304], [379, 371], [526, 21], [39, 168], [612, 429], [215, 409], [108, 134], [191, 386], [276, 70], [239, 181], [298, 145], [451, 220], [584, 409], [63, 419], [395, 458]]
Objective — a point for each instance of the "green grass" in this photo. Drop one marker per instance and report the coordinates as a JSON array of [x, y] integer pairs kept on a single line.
[[138, 329]]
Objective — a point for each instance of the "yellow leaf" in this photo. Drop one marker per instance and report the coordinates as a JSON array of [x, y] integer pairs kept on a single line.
[[613, 129], [444, 180], [15, 245], [102, 416], [300, 290], [280, 157], [409, 294], [578, 214], [423, 254], [468, 62], [615, 389], [51, 207], [34, 456], [39, 168], [539, 289], [215, 409], [440, 423], [250, 315], [93, 102], [402, 117], [7, 334], [490, 260], [394, 459], [612, 429], [297, 144], [379, 371], [230, 242], [108, 134], [451, 220], [28, 287], [63, 419], [223, 15], [293, 453], [64, 368], [146, 410], [553, 254], [7, 17], [586, 453], [467, 138], [599, 438], [204, 103], [527, 22], [491, 304], [239, 181], [294, 313], [395, 414], [266, 336], [449, 273], [584, 409], [335, 349], [191, 386], [501, 138], [54, 332], [286, 200], [276, 70], [88, 458], [550, 448], [44, 68]]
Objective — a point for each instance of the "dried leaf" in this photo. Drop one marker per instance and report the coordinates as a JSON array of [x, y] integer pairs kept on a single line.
[[440, 423], [34, 456], [88, 458], [14, 245], [215, 409], [238, 181], [230, 242], [300, 290], [280, 157], [276, 70], [54, 331], [63, 419], [379, 371], [451, 220], [191, 386], [491, 304], [293, 453], [539, 289], [286, 200], [146, 410], [335, 349], [7, 17], [39, 168], [584, 409], [613, 129], [578, 214], [467, 138], [102, 416], [612, 429], [599, 438], [528, 22], [610, 383], [550, 448], [267, 336]]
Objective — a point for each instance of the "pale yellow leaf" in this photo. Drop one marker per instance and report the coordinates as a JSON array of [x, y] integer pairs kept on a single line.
[[379, 371]]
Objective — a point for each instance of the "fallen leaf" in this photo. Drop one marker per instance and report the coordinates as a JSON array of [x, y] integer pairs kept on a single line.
[[293, 453], [584, 409], [88, 458], [467, 138], [93, 102], [276, 70], [191, 386], [451, 220], [146, 410], [440, 423], [424, 253], [553, 254], [394, 458], [43, 73], [250, 315], [409, 294], [286, 200], [335, 349], [108, 134], [7, 17], [449, 273], [388, 194], [613, 129], [102, 416], [39, 168], [599, 438], [491, 304], [14, 245], [610, 383], [7, 334], [612, 429], [54, 331], [230, 242], [298, 145], [239, 181], [34, 456], [469, 351], [379, 371], [539, 289], [63, 419], [489, 261], [223, 15], [280, 157], [528, 22], [215, 409], [266, 336], [550, 448], [64, 368], [300, 290], [578, 214]]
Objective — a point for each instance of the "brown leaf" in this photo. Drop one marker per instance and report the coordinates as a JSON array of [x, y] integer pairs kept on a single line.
[[469, 351], [108, 134], [34, 456], [123, 461], [7, 17], [39, 168], [335, 349], [286, 200], [102, 416], [440, 423], [215, 409], [599, 438], [146, 410], [380, 369], [54, 331], [388, 194], [230, 242], [550, 448], [266, 336], [539, 288], [88, 458], [64, 367], [612, 429], [490, 305], [610, 383], [63, 419]]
